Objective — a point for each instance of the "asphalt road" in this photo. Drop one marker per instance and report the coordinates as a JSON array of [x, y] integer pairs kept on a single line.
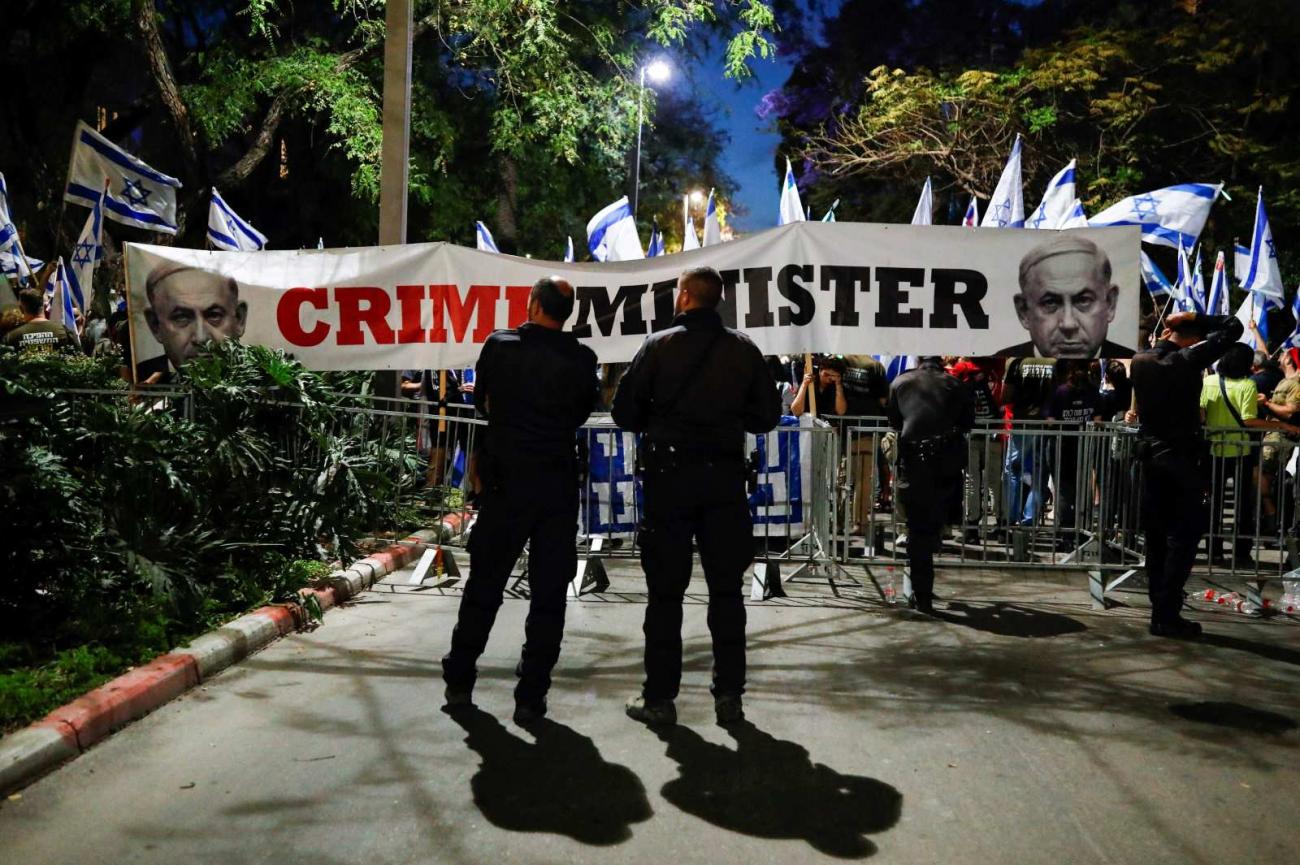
[[1018, 732]]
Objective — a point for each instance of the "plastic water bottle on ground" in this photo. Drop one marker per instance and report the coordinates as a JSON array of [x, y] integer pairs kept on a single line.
[[890, 592]]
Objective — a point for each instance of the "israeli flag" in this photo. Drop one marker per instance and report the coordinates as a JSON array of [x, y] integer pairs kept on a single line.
[[1240, 262], [1263, 275], [656, 246], [830, 214], [1007, 207], [924, 213], [568, 249], [88, 251], [484, 242], [1076, 218], [611, 234], [1293, 340], [12, 259], [791, 206], [61, 308], [1197, 289], [1058, 202], [1254, 310], [1218, 304], [896, 364], [228, 231], [1185, 297], [458, 462], [1166, 216], [137, 195], [690, 240], [1156, 282], [712, 226], [972, 217]]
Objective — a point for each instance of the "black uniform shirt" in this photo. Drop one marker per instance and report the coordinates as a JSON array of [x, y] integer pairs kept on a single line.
[[927, 402], [733, 392], [1167, 380], [535, 386]]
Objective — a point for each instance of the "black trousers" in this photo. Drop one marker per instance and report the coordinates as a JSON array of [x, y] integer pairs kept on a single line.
[[1174, 485], [705, 501], [540, 507], [928, 494]]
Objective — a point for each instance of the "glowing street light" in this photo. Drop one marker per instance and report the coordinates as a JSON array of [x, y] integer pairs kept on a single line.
[[658, 72]]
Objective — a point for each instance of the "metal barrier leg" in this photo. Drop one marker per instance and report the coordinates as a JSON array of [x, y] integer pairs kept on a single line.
[[1097, 589], [591, 575]]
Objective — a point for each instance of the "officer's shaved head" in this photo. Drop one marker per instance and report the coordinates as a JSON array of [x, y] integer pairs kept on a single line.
[[704, 285], [553, 296]]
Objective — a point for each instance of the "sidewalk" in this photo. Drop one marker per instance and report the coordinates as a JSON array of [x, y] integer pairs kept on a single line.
[[1036, 731]]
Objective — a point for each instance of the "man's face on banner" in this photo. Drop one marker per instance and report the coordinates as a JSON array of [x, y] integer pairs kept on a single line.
[[1067, 305], [191, 307]]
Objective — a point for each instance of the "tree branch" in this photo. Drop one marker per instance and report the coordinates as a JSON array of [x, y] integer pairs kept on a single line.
[[146, 19]]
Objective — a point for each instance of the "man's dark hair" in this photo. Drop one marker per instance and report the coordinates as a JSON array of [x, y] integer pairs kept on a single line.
[[705, 285], [1235, 362], [829, 361], [32, 300], [551, 298]]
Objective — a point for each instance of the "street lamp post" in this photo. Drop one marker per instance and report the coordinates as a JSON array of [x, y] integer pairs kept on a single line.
[[658, 72]]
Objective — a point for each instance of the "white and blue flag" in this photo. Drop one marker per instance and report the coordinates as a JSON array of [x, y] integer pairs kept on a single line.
[[611, 234], [896, 364], [484, 241], [12, 258], [568, 249], [62, 309], [1218, 303], [712, 225], [690, 240], [1240, 262], [1184, 297], [830, 212], [88, 251], [1166, 216], [656, 246], [1197, 289], [1007, 207], [924, 213], [972, 217], [791, 206], [1153, 278], [137, 195], [1254, 310], [1293, 340], [1262, 274], [1058, 202], [229, 231], [1076, 218]]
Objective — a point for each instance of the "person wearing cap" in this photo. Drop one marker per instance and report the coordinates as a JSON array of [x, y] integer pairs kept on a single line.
[[1283, 404], [1066, 301]]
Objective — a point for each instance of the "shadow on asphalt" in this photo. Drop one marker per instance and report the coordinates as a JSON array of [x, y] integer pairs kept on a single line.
[[558, 783], [1235, 716], [1010, 620], [770, 788], [1268, 651]]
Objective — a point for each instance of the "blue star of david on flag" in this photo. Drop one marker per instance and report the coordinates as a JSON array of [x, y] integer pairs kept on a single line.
[[1146, 206], [134, 191], [1040, 219], [1272, 248], [84, 253]]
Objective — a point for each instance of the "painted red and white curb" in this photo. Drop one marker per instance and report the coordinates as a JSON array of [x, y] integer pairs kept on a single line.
[[27, 754]]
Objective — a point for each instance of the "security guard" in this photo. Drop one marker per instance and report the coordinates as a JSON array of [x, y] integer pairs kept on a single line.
[[932, 412], [693, 390], [1175, 457], [536, 386]]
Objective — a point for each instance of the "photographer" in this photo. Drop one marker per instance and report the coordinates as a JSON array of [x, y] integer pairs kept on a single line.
[[1175, 459]]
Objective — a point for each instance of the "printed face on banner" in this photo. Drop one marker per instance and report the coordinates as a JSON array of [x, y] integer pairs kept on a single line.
[[838, 288], [1066, 301], [188, 307]]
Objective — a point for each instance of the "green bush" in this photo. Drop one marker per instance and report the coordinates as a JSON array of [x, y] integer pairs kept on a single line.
[[131, 522]]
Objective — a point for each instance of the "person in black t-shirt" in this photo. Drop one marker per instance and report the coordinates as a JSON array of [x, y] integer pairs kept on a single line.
[[1073, 405]]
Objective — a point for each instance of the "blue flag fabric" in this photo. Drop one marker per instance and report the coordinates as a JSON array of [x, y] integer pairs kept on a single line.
[[485, 241]]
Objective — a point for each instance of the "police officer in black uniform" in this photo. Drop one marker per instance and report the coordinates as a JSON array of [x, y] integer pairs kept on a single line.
[[693, 390], [536, 386], [932, 412], [1175, 457]]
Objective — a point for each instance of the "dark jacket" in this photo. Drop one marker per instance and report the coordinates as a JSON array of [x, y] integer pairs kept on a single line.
[[1167, 380], [733, 392], [535, 386], [927, 402], [1109, 350]]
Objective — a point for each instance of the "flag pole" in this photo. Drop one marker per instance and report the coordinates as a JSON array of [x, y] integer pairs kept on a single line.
[[812, 388], [1155, 331]]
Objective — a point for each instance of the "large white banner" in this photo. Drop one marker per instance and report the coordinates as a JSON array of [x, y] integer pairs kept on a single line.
[[840, 288]]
